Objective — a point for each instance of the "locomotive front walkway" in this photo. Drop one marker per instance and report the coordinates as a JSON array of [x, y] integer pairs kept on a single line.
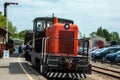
[[10, 69]]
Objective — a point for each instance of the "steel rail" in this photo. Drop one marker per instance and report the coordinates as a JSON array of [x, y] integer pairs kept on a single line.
[[106, 71]]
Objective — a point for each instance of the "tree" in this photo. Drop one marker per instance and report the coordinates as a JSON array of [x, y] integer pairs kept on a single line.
[[0, 13], [92, 34], [22, 34], [106, 35], [114, 36], [100, 32], [12, 29], [119, 41], [2, 20]]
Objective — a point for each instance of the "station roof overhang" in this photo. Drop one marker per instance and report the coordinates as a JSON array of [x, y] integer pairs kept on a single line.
[[3, 31]]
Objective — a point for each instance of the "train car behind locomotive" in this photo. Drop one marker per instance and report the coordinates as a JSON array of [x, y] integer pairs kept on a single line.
[[55, 42]]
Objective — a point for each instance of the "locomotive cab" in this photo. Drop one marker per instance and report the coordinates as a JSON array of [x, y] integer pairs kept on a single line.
[[39, 27]]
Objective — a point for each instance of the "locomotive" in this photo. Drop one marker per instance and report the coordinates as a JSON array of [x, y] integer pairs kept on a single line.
[[55, 48]]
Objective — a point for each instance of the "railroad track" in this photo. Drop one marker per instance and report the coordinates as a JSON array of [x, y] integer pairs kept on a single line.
[[105, 71]]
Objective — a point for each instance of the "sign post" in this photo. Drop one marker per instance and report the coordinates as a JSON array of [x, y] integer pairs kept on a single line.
[[5, 14], [6, 54]]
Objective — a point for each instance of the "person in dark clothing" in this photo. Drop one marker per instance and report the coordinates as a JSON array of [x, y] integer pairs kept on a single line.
[[19, 49], [27, 49]]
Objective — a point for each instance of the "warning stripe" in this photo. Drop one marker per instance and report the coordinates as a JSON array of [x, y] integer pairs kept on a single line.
[[65, 75]]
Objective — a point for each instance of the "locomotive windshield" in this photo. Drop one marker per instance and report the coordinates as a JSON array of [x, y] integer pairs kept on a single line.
[[41, 23]]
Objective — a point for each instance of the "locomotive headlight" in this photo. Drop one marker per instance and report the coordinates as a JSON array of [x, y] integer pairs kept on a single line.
[[66, 26]]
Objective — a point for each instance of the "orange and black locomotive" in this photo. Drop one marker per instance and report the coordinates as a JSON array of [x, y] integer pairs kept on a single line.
[[56, 45]]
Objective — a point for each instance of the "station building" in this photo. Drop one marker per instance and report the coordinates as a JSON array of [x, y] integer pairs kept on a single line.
[[98, 41], [2, 40]]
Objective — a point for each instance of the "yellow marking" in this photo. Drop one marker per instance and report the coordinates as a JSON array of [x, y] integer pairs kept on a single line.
[[30, 78]]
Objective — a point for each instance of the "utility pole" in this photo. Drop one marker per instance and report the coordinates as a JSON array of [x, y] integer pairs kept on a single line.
[[5, 14]]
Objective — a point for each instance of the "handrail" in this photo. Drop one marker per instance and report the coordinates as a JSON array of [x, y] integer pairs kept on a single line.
[[45, 48], [42, 48]]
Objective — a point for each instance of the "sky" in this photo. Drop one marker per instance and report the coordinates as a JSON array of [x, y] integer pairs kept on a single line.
[[87, 14]]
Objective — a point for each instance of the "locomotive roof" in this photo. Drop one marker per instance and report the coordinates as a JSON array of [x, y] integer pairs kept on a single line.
[[50, 19]]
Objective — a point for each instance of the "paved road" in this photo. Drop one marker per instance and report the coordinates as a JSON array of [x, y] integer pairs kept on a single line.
[[10, 69]]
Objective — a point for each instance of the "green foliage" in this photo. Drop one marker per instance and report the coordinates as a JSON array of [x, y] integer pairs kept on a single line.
[[11, 28], [22, 34], [107, 35], [2, 20], [15, 35], [92, 34], [0, 13], [113, 36], [100, 32]]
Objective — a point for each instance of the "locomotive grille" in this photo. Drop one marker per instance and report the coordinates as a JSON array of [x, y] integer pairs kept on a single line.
[[66, 42]]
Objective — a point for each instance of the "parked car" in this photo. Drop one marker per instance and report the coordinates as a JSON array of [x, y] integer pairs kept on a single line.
[[117, 59], [82, 51], [92, 53], [103, 52], [111, 57]]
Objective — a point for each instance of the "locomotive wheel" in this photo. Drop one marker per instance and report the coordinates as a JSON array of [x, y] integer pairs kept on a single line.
[[89, 69]]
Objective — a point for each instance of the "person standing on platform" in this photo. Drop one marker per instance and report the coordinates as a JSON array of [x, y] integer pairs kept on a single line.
[[27, 49], [19, 49]]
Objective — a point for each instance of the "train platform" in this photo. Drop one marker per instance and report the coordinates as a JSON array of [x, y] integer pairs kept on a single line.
[[16, 68]]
